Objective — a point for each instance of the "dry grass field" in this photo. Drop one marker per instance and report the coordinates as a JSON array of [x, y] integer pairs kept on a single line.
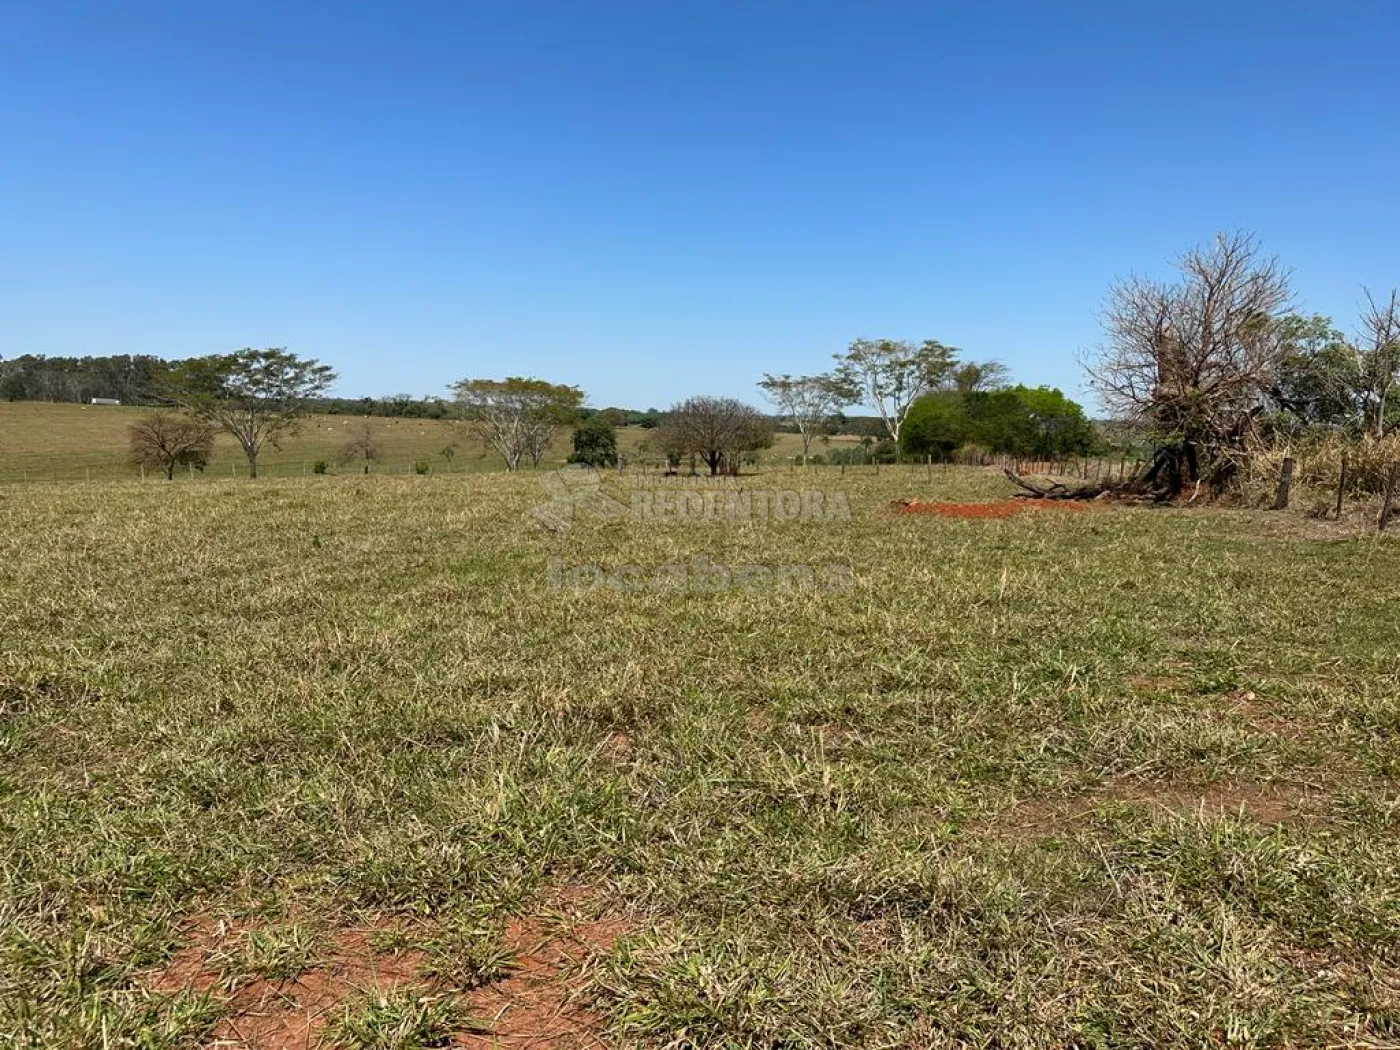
[[338, 762], [42, 442]]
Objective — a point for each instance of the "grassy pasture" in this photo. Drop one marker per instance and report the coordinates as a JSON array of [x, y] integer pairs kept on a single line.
[[62, 442], [1114, 777]]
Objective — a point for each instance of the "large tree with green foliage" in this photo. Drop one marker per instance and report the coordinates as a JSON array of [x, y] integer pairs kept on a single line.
[[517, 416], [938, 424], [1319, 375], [258, 396], [1020, 420], [1326, 379], [891, 374], [1054, 425]]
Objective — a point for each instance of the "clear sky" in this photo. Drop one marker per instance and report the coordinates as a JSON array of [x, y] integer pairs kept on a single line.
[[658, 199]]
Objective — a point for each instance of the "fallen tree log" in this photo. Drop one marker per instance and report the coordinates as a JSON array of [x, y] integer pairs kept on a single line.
[[1131, 490], [1051, 489]]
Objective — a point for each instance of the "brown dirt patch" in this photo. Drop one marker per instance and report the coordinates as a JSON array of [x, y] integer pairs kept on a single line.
[[537, 1005], [273, 1015], [758, 721], [1157, 684], [617, 745], [1259, 714], [998, 509], [1262, 803]]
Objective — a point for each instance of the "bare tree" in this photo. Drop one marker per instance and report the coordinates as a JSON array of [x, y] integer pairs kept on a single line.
[[516, 416], [892, 374], [717, 429], [1193, 361], [363, 447], [809, 401], [167, 441], [1378, 358]]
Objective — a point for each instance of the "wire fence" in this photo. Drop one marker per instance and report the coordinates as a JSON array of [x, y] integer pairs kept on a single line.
[[46, 471], [1281, 480]]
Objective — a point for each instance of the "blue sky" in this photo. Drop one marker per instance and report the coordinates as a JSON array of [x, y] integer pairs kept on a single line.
[[659, 199]]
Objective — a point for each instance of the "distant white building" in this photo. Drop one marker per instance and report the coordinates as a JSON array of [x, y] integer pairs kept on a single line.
[[105, 401]]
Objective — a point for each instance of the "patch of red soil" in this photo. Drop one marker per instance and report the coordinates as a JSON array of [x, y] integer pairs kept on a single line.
[[999, 509], [275, 1015], [537, 1005]]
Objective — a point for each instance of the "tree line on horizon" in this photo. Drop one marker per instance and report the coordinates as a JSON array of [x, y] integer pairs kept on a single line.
[[1210, 369], [257, 396]]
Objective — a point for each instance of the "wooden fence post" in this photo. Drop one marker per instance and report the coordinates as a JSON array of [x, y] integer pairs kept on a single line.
[[1341, 486], [1285, 482], [1389, 497]]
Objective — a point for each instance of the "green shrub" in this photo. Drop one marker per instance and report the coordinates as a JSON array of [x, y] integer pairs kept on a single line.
[[422, 466], [320, 467], [595, 442]]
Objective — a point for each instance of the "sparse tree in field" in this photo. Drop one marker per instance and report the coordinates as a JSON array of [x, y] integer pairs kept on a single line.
[[363, 447], [258, 396], [673, 444], [448, 451], [167, 440], [892, 374], [1378, 359], [1194, 360], [811, 402], [717, 429], [516, 416]]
